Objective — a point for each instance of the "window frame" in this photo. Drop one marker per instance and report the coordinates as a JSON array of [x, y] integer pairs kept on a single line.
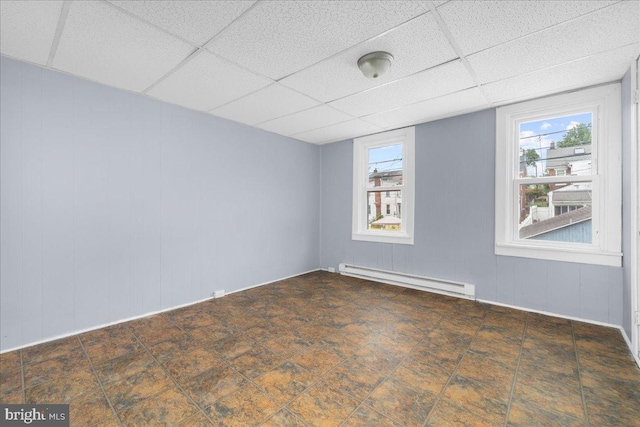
[[605, 249], [406, 137]]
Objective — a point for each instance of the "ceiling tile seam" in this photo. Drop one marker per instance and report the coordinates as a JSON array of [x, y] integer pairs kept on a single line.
[[197, 51], [62, 19], [564, 63], [307, 109], [328, 126], [548, 28], [239, 18], [415, 103], [353, 46], [456, 48], [370, 89], [144, 21]]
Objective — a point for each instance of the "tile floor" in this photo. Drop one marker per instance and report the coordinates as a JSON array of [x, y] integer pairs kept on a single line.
[[323, 349]]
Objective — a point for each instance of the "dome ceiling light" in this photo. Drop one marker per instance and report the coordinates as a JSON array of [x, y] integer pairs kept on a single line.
[[375, 64]]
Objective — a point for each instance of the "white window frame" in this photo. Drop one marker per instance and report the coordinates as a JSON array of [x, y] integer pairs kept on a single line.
[[406, 137], [605, 249]]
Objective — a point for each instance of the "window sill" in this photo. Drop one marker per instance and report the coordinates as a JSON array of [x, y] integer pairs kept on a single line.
[[613, 259], [401, 239]]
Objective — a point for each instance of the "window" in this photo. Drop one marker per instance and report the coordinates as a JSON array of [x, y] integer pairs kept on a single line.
[[558, 178], [384, 163]]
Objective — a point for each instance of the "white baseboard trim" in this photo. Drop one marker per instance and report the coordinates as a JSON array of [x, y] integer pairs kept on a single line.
[[578, 319], [150, 313]]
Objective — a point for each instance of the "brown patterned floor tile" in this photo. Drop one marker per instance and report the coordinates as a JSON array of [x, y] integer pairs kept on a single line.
[[89, 409], [284, 418], [421, 374], [191, 364], [149, 337], [448, 413], [525, 413], [52, 369], [255, 362], [353, 379], [197, 420], [246, 407], [12, 398], [287, 347], [340, 345], [64, 389], [10, 382], [322, 405], [157, 321], [108, 351], [508, 325], [619, 368], [398, 401], [173, 348], [210, 333], [233, 346], [112, 421], [485, 400], [195, 320], [399, 344], [608, 400], [136, 388], [449, 345], [558, 392], [10, 362], [286, 381], [213, 385], [365, 416], [508, 312], [317, 360], [104, 335], [483, 367], [460, 325], [551, 356], [64, 347], [124, 366], [168, 408], [380, 360]]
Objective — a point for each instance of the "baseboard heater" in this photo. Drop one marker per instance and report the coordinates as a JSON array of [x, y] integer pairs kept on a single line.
[[439, 286]]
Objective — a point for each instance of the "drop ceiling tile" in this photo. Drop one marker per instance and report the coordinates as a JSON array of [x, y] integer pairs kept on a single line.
[[447, 78], [104, 44], [433, 109], [416, 45], [338, 132], [278, 38], [603, 68], [27, 29], [196, 21], [607, 29], [478, 25], [266, 104], [303, 121], [206, 82]]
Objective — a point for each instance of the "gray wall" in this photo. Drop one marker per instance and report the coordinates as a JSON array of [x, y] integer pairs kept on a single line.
[[454, 227], [627, 123], [114, 205]]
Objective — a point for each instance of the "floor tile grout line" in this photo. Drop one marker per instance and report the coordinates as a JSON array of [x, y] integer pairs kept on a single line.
[[24, 390], [442, 317], [584, 400], [515, 375], [95, 373], [176, 383], [453, 373]]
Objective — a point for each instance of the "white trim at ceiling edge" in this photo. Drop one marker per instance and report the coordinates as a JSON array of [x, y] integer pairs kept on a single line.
[[150, 313], [578, 319]]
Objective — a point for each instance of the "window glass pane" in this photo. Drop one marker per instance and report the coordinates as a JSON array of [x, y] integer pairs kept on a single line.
[[558, 212], [385, 166], [384, 212], [557, 146]]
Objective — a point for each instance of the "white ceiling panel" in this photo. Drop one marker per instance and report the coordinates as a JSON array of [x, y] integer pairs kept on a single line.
[[444, 106], [102, 43], [303, 121], [27, 29], [447, 78], [415, 46], [338, 132], [196, 21], [478, 25], [278, 38], [206, 82], [572, 40], [603, 68], [266, 104]]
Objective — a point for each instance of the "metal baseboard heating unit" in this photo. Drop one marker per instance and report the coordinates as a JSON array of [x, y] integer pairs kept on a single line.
[[445, 287]]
